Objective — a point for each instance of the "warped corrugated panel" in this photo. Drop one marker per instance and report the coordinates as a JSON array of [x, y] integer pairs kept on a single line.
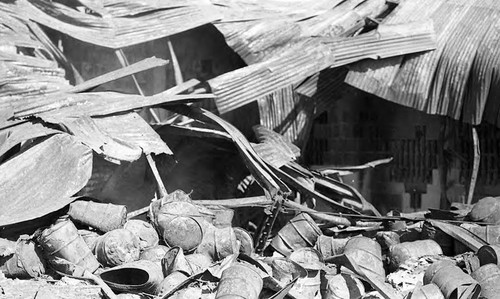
[[42, 179], [63, 105], [287, 113], [22, 132], [248, 10], [133, 129], [257, 41], [122, 8], [242, 86], [24, 74], [117, 32], [386, 41], [454, 80]]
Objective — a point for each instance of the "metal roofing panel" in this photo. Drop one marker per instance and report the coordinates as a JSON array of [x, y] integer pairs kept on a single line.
[[133, 129], [454, 80], [46, 176], [242, 86], [22, 132], [117, 32]]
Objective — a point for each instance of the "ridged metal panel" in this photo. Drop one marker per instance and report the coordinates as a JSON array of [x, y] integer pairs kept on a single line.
[[242, 86], [42, 179], [455, 79], [117, 32], [285, 112]]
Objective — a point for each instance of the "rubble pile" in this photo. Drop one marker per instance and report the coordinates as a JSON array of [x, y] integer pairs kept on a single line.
[[184, 249]]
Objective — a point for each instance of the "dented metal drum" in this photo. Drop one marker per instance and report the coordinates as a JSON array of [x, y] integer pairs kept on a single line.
[[101, 216], [367, 253], [488, 277], [62, 240], [452, 281], [300, 231], [240, 280]]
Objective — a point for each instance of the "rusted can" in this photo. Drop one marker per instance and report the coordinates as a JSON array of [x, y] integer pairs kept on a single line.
[[174, 260], [180, 224], [330, 246], [308, 258], [307, 287], [199, 262], [170, 282], [148, 237], [172, 210], [444, 240], [367, 253], [185, 232], [240, 280], [402, 252], [223, 217], [117, 247], [101, 216], [89, 237], [62, 240], [489, 254], [487, 210], [452, 281], [218, 243], [154, 254], [285, 270], [26, 262], [428, 291], [386, 239], [138, 276], [342, 286], [300, 231], [246, 241], [488, 277]]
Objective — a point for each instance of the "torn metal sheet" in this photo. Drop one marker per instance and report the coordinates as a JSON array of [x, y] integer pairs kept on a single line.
[[137, 67], [46, 176], [123, 8], [458, 79], [117, 32], [85, 130], [273, 148], [16, 134], [134, 129], [99, 103], [245, 85], [287, 113], [259, 169], [386, 41]]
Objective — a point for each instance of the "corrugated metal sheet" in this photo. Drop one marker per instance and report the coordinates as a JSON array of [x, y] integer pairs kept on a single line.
[[242, 86], [117, 32], [134, 68], [86, 131], [22, 132], [287, 113], [95, 104], [46, 176], [455, 80], [122, 8], [133, 129]]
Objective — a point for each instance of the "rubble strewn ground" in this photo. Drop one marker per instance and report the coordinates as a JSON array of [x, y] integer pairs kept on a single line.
[[90, 178]]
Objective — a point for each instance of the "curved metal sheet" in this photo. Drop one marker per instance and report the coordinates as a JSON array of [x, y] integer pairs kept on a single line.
[[42, 179]]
